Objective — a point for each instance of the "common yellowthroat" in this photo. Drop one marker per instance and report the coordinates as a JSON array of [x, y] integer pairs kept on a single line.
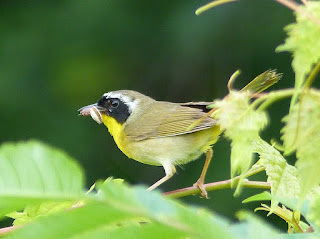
[[157, 132]]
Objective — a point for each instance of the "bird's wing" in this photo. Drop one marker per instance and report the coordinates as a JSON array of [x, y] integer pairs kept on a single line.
[[170, 119]]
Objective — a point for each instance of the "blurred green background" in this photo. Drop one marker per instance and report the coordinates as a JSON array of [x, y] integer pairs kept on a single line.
[[57, 56]]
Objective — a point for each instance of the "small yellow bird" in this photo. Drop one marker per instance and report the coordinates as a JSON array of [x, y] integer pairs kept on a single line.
[[157, 132]]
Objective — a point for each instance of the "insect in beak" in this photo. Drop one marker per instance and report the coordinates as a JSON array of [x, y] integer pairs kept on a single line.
[[94, 111]]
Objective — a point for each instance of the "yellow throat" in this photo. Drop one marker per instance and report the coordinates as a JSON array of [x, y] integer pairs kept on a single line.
[[113, 126], [116, 130]]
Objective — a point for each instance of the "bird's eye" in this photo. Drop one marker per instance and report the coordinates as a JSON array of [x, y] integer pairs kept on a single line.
[[114, 103]]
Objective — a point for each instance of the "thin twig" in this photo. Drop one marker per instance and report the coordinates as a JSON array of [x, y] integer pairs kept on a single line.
[[271, 97], [5, 230], [296, 7], [215, 186], [221, 185]]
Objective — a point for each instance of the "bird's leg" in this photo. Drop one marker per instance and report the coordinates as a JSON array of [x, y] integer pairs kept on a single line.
[[170, 170], [200, 181]]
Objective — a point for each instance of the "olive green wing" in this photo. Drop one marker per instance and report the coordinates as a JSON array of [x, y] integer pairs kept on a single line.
[[169, 119]]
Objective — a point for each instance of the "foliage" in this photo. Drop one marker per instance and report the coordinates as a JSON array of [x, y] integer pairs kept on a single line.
[[42, 188], [33, 172], [241, 123], [302, 133], [114, 209], [281, 175], [303, 42], [242, 126]]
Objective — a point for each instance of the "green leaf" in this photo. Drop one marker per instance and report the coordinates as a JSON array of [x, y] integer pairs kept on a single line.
[[300, 236], [314, 212], [302, 133], [281, 176], [74, 223], [303, 42], [31, 212], [115, 211], [264, 196], [156, 230], [33, 172], [242, 125], [152, 205], [253, 227], [292, 218]]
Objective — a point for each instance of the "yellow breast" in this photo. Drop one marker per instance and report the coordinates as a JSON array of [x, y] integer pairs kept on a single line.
[[116, 130]]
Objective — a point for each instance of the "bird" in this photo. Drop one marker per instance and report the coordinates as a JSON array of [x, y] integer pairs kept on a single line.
[[156, 132]]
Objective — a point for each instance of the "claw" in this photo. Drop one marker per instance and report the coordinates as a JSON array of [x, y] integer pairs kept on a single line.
[[200, 185]]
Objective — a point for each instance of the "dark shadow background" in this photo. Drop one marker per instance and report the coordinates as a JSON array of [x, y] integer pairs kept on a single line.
[[57, 56]]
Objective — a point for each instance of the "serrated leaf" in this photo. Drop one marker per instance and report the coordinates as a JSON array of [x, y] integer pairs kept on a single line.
[[303, 42], [292, 218], [242, 125], [281, 176], [313, 193], [33, 172], [302, 133]]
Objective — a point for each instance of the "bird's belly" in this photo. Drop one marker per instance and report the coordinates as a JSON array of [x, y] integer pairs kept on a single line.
[[176, 150]]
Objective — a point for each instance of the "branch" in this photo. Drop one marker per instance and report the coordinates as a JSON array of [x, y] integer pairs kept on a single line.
[[4, 231], [221, 185], [214, 186]]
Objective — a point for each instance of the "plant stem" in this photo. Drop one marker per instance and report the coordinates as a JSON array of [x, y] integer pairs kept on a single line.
[[211, 5], [232, 79], [267, 99], [315, 71], [230, 183]]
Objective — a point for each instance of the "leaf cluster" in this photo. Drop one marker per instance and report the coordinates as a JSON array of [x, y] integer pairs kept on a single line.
[[111, 209]]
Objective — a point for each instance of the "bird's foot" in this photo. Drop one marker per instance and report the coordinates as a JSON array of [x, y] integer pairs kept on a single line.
[[200, 185]]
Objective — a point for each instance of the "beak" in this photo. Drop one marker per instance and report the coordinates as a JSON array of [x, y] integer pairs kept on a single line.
[[94, 111], [85, 110]]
